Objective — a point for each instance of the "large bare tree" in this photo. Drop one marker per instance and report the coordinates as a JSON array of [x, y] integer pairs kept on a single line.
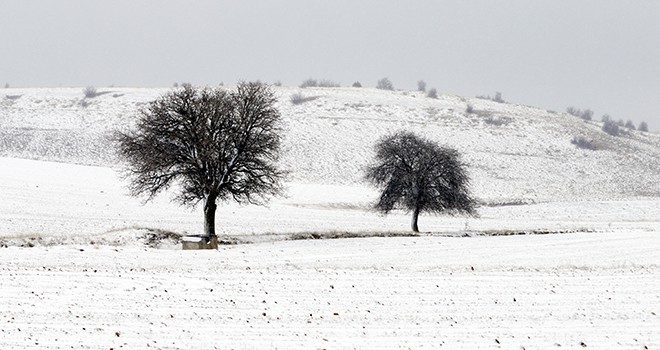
[[420, 176], [215, 144]]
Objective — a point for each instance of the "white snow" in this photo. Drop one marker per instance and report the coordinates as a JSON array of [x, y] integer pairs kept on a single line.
[[90, 282], [536, 292]]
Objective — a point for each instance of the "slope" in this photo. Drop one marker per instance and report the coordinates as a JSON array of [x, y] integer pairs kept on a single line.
[[515, 153]]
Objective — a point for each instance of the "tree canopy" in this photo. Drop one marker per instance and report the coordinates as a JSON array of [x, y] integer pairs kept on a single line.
[[419, 176], [215, 144]]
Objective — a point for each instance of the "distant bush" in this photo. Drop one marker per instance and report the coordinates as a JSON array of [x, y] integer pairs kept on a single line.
[[309, 83], [611, 128], [176, 85], [496, 120], [586, 114], [605, 118], [433, 93], [469, 109], [357, 84], [620, 123], [421, 86], [90, 92], [630, 125], [384, 84], [582, 142], [643, 127], [318, 83], [277, 83], [6, 85], [328, 83], [497, 98], [186, 85], [299, 98]]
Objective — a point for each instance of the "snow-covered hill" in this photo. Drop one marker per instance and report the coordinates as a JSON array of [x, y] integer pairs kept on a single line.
[[515, 153], [88, 281]]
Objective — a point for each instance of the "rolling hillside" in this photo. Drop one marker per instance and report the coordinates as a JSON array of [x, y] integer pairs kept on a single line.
[[515, 153]]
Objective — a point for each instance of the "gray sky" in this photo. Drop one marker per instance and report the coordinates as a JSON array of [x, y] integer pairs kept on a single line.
[[603, 55]]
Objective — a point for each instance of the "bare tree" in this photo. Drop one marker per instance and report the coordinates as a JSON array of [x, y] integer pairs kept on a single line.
[[421, 86], [420, 176], [216, 144], [384, 84]]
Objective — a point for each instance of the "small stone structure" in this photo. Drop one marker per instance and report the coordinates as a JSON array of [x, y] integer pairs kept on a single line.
[[196, 242]]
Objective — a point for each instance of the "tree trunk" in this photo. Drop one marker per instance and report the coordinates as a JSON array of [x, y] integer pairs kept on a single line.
[[414, 220], [209, 215]]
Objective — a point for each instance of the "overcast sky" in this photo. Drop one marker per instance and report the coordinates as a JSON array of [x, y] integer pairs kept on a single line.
[[603, 55]]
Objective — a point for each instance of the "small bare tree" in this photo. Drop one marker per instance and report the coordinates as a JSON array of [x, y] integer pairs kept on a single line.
[[216, 144], [419, 175], [421, 86], [384, 84]]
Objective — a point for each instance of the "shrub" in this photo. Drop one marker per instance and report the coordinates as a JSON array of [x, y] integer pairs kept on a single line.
[[498, 97], [469, 109], [421, 86], [605, 118], [309, 83], [587, 114], [90, 92], [328, 83], [357, 84], [433, 93], [384, 84], [643, 127], [630, 125], [620, 123], [611, 128], [496, 120], [582, 142], [176, 85], [318, 83], [583, 114], [299, 98], [277, 83]]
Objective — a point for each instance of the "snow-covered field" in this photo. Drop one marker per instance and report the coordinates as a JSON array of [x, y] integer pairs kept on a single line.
[[75, 271], [531, 292]]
